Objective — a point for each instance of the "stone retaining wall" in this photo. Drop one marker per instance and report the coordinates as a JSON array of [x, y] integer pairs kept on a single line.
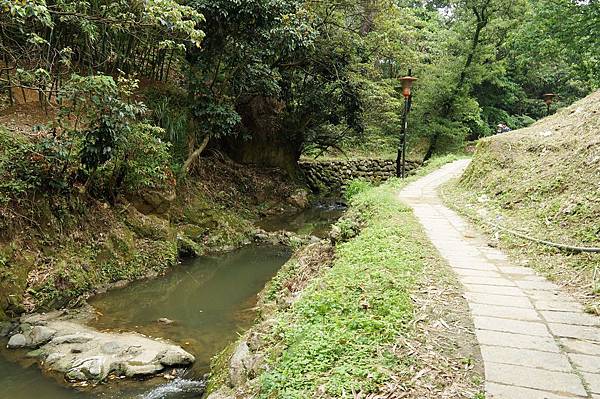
[[335, 175]]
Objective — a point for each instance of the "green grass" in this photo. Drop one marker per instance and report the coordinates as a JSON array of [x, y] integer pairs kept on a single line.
[[338, 337]]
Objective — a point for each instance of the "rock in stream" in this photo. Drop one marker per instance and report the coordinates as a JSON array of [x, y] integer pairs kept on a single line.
[[63, 343]]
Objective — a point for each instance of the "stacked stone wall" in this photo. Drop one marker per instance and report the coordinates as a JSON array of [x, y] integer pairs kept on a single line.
[[336, 174]]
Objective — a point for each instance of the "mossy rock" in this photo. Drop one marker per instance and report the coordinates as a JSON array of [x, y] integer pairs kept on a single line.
[[198, 210], [122, 242], [190, 240], [193, 232], [148, 226], [188, 247], [67, 281], [14, 270], [155, 256]]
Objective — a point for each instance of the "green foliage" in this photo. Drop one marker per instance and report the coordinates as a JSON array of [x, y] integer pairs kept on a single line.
[[41, 165], [101, 104], [143, 161], [338, 336], [95, 141], [356, 187], [95, 36], [295, 56]]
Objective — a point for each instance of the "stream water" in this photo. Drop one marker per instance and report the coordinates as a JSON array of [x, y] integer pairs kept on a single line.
[[209, 299], [315, 220]]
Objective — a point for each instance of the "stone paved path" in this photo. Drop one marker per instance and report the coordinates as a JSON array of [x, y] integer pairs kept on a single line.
[[536, 341]]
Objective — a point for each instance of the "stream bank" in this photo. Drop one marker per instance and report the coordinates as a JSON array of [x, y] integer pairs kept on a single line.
[[64, 249], [201, 304], [373, 311]]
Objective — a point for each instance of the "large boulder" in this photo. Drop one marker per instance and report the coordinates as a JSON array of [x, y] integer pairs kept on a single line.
[[81, 353], [238, 364], [300, 199], [152, 202], [39, 335]]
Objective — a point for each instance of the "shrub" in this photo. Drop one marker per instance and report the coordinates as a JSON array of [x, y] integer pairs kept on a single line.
[[143, 161], [356, 187], [29, 166], [95, 141]]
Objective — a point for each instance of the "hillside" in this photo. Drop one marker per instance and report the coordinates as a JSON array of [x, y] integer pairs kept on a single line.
[[544, 180]]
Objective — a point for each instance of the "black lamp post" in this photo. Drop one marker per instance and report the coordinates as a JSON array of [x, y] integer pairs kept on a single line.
[[407, 82], [548, 99]]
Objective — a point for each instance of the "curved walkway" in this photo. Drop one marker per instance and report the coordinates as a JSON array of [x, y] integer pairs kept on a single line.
[[536, 341]]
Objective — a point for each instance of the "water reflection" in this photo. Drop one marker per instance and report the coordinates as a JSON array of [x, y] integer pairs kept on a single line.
[[316, 220]]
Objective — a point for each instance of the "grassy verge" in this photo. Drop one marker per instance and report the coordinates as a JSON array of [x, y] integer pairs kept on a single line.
[[334, 338], [349, 330]]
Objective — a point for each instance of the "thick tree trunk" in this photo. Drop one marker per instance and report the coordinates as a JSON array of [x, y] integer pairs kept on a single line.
[[474, 44], [368, 17]]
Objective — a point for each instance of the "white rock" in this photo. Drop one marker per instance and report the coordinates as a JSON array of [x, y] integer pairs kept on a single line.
[[83, 353], [17, 341]]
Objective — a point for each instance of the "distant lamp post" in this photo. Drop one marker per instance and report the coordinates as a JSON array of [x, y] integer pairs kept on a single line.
[[548, 99], [407, 82]]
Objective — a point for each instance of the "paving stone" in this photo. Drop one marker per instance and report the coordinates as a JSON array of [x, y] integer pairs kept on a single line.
[[543, 295], [516, 270], [514, 309], [558, 306], [473, 264], [487, 337], [528, 377], [587, 363], [526, 357], [501, 391], [513, 326], [492, 289], [477, 273], [496, 256], [537, 285], [575, 318], [579, 332], [503, 300], [593, 381], [487, 281], [578, 346], [507, 312]]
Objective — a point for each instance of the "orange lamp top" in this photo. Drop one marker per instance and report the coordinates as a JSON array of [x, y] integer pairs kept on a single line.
[[548, 98], [407, 82]]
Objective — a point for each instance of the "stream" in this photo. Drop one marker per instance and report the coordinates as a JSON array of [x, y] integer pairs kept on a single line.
[[210, 300]]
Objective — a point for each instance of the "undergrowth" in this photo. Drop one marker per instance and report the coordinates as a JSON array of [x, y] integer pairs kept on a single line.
[[338, 336]]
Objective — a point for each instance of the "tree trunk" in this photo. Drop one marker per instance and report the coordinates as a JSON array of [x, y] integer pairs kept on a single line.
[[474, 44], [482, 21], [187, 165]]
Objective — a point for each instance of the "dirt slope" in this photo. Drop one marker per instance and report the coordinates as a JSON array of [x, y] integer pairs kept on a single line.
[[548, 174], [544, 181]]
